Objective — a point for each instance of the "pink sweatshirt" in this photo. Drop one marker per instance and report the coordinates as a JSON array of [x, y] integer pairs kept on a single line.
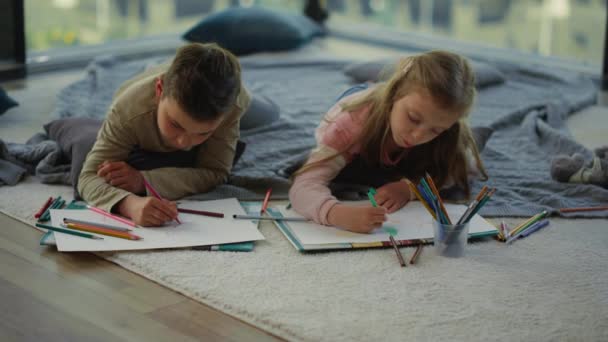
[[310, 195]]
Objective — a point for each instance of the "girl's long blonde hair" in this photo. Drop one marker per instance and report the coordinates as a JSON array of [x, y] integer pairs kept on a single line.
[[450, 81]]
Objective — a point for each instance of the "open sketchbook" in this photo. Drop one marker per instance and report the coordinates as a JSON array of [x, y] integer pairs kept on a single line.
[[411, 225], [195, 230]]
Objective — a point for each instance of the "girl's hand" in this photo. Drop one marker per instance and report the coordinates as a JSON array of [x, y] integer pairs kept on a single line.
[[393, 196], [147, 211], [122, 175], [357, 219]]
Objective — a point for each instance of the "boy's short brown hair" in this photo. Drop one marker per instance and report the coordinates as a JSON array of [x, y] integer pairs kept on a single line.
[[204, 79]]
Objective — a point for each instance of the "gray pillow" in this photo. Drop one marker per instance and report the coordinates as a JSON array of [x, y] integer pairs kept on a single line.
[[6, 102], [261, 111], [381, 69], [76, 137]]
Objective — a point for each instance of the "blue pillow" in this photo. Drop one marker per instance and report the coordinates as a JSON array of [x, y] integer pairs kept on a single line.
[[6, 102], [255, 29]]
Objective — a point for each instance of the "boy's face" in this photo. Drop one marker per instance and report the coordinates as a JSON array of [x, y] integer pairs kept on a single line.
[[177, 128], [416, 119]]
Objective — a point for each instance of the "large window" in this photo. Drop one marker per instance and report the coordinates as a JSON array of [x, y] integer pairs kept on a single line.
[[571, 29]]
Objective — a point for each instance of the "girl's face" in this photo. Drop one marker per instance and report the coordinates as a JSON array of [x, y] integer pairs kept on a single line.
[[177, 128], [415, 119]]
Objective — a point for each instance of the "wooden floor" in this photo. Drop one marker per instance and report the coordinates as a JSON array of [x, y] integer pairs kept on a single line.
[[50, 296]]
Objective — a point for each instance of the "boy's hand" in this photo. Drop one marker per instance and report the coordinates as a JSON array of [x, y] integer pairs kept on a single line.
[[122, 175], [393, 196], [147, 211], [357, 219]]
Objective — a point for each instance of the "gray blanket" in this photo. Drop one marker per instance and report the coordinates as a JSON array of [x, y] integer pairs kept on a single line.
[[526, 115]]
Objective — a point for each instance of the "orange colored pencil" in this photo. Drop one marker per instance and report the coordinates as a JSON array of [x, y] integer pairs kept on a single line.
[[102, 231], [573, 210], [429, 180]]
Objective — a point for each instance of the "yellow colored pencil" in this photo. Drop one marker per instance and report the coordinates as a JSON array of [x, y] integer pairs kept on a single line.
[[420, 198], [102, 231]]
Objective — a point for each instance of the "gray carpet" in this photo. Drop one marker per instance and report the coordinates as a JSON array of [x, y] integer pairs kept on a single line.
[[526, 115]]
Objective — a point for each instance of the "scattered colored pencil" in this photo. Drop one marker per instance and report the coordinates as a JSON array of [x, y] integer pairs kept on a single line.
[[527, 223], [67, 220], [102, 231], [200, 212], [416, 254], [269, 218], [529, 230], [266, 199], [157, 195], [112, 216], [44, 207], [68, 231], [397, 251], [573, 210]]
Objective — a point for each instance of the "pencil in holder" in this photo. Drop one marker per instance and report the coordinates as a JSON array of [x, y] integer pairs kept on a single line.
[[450, 240]]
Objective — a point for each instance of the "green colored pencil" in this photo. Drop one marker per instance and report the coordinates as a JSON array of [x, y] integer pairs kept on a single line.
[[68, 231]]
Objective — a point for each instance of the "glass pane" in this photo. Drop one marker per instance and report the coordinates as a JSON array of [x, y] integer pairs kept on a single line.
[[572, 29], [52, 24]]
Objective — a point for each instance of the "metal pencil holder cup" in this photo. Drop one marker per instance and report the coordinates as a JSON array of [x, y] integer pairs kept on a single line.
[[450, 240]]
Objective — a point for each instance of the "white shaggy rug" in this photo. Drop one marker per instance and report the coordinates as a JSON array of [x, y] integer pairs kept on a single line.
[[550, 286]]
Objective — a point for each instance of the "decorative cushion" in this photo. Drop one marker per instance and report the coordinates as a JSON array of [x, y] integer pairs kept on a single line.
[[256, 29], [381, 69], [6, 102]]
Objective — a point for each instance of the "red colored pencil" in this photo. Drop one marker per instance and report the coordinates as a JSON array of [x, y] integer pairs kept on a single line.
[[44, 207]]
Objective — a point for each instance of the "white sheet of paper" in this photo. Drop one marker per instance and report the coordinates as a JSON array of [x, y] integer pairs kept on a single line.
[[195, 230], [411, 222]]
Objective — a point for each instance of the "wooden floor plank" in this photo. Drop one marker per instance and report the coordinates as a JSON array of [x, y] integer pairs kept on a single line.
[[25, 318], [105, 300], [192, 319]]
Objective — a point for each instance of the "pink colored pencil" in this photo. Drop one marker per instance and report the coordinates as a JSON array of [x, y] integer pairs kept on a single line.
[[156, 194], [107, 214]]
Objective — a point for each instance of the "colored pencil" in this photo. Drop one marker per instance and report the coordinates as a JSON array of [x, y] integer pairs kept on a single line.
[[573, 210], [529, 230], [527, 223], [107, 214], [370, 194], [266, 199], [416, 254], [102, 225], [200, 212], [44, 207], [397, 251], [269, 218], [534, 228], [480, 205], [102, 231], [157, 195], [436, 191], [419, 196], [57, 203], [68, 231]]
